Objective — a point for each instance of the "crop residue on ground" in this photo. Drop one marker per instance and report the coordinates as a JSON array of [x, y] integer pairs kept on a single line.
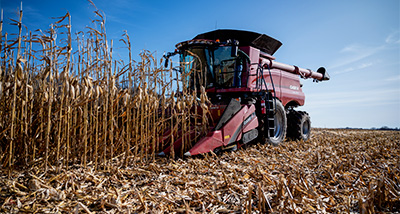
[[336, 171]]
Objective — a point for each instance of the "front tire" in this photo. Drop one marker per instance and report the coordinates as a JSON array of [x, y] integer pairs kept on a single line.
[[299, 125], [280, 125]]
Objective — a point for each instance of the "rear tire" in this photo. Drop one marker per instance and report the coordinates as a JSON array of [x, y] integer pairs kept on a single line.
[[299, 125], [280, 125]]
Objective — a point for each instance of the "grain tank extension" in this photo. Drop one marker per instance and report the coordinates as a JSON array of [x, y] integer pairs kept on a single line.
[[253, 96]]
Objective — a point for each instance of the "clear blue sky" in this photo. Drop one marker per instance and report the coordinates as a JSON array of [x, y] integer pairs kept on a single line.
[[358, 41]]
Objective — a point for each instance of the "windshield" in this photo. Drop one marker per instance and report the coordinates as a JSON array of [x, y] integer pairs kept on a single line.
[[224, 66], [220, 68], [195, 62]]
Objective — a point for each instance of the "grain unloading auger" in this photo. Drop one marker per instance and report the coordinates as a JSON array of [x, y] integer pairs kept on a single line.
[[252, 95]]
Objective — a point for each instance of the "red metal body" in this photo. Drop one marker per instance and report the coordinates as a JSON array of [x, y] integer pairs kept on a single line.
[[242, 122], [286, 78], [249, 73]]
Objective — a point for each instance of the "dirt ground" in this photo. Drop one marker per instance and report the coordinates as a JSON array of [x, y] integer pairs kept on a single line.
[[337, 171]]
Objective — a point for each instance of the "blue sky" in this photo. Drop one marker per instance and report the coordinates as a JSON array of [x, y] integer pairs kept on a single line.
[[357, 41]]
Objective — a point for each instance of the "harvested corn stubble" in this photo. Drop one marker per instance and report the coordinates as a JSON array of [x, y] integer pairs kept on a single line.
[[336, 171]]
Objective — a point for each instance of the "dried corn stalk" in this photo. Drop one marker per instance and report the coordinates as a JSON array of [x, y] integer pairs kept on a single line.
[[85, 106]]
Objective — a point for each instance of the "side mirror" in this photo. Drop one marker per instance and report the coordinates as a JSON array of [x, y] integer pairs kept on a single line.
[[166, 62], [234, 51], [167, 56], [235, 48]]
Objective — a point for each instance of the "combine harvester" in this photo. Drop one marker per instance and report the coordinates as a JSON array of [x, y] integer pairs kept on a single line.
[[252, 95]]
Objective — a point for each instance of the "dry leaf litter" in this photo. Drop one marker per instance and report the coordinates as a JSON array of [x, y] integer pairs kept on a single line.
[[337, 171]]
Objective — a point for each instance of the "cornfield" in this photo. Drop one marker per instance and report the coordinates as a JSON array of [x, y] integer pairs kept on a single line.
[[80, 130], [66, 107]]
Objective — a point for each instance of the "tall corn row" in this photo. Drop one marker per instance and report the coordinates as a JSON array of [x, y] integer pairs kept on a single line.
[[66, 101], [18, 73]]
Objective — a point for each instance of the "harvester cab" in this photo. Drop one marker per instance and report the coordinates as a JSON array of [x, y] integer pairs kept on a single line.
[[252, 95]]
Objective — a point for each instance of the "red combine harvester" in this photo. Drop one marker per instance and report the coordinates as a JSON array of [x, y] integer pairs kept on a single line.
[[252, 95]]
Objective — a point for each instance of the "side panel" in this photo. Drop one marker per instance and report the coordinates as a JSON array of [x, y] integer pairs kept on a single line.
[[254, 83], [276, 79], [291, 89], [286, 84]]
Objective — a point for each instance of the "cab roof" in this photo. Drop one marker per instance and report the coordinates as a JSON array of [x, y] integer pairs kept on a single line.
[[263, 42]]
